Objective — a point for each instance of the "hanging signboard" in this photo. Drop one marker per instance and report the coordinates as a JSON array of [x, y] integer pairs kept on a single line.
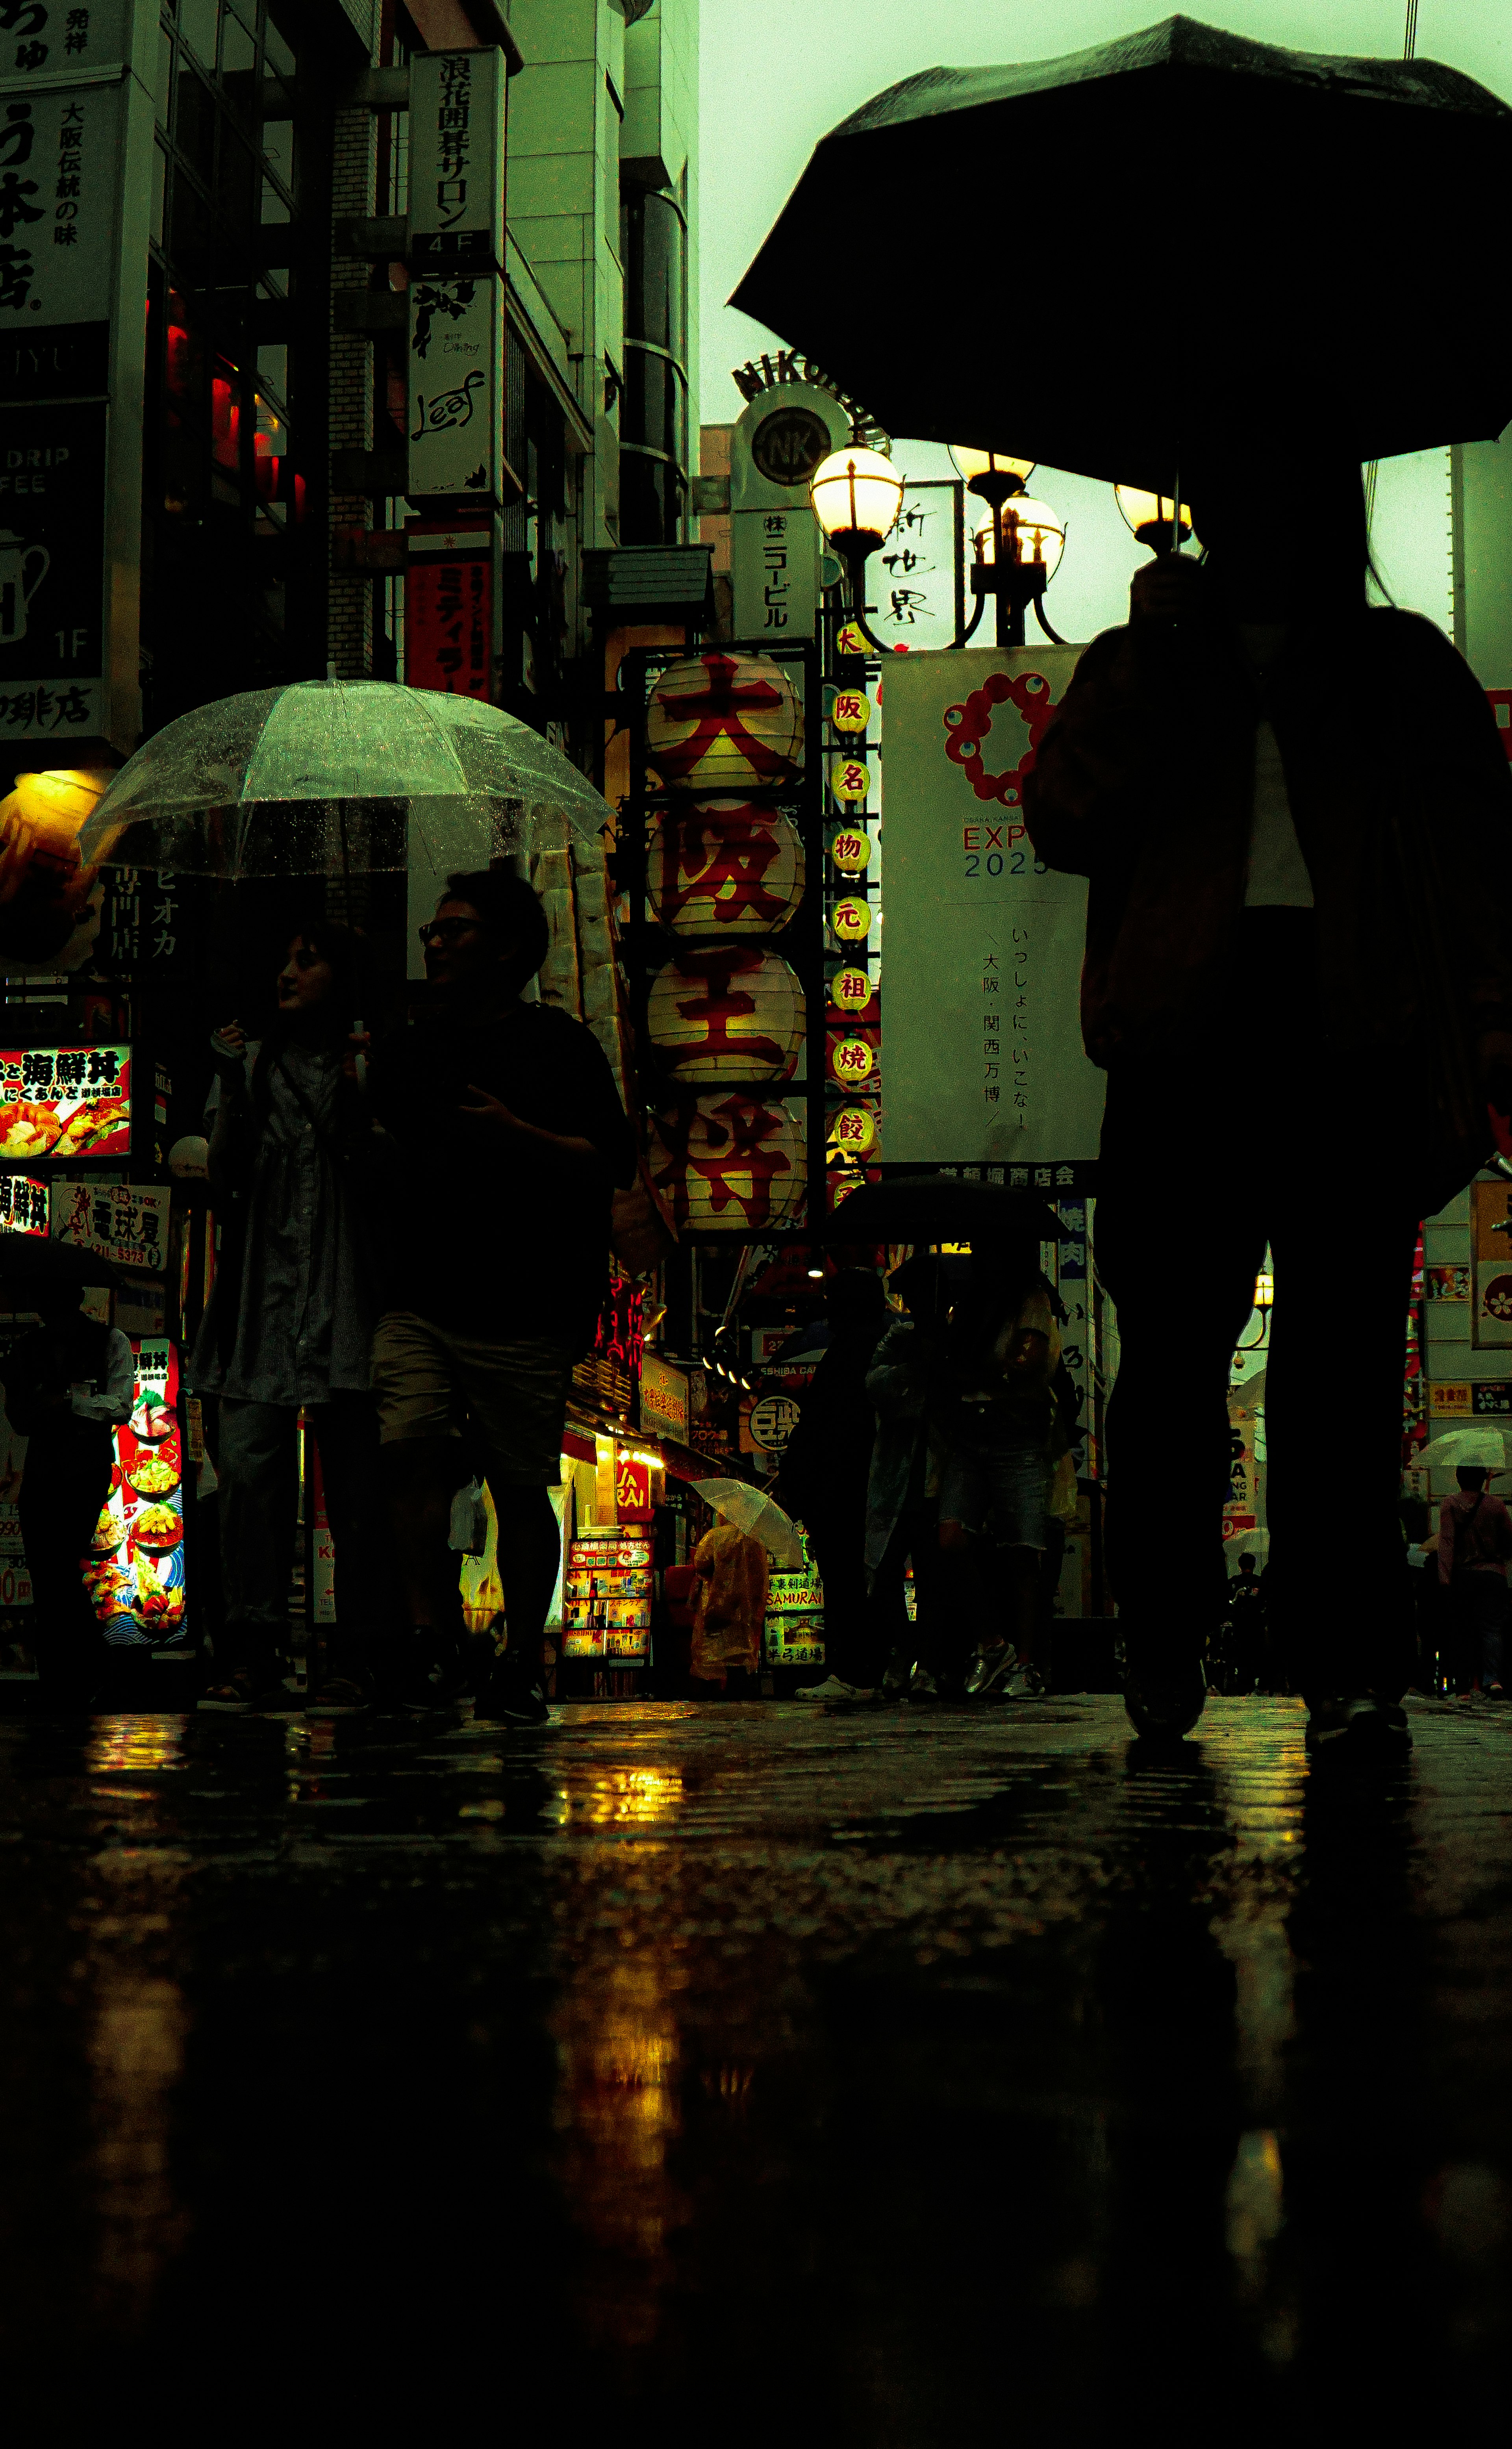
[[58, 1102], [456, 257], [775, 546], [916, 583], [984, 943], [123, 1222], [23, 1205], [664, 1399], [448, 607]]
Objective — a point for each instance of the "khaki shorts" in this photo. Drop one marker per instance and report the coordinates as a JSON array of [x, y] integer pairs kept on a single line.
[[510, 1393]]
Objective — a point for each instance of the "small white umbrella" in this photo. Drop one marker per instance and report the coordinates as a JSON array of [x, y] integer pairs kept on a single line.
[[1467, 1450], [749, 1509]]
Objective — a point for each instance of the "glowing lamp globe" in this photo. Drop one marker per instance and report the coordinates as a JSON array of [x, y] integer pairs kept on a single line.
[[724, 867], [1033, 535], [727, 1013], [1149, 517], [730, 1164], [724, 722], [990, 474], [857, 495]]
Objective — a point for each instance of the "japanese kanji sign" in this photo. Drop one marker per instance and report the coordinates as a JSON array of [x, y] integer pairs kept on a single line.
[[448, 611], [456, 253], [127, 1222], [984, 1042], [53, 515], [58, 1102]]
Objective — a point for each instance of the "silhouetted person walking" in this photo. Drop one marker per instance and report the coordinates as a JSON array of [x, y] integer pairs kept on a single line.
[[823, 1482], [1296, 818], [1475, 1541], [510, 1138]]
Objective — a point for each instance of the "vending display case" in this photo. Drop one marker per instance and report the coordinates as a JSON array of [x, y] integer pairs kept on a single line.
[[606, 1601]]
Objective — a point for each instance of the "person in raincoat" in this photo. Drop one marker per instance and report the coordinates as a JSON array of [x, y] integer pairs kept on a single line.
[[1295, 817], [731, 1579]]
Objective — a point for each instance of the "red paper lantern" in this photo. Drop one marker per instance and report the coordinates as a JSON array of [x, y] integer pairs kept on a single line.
[[725, 722], [727, 1013], [723, 867], [730, 1164]]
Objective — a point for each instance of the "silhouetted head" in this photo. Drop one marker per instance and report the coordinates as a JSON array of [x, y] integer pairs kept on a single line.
[[918, 1281], [1470, 1478], [490, 930], [1247, 1565], [1260, 572], [319, 973], [854, 1297]]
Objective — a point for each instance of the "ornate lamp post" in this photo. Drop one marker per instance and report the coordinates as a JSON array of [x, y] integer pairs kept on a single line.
[[857, 494]]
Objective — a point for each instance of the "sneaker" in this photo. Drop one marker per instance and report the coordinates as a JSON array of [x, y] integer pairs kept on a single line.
[[233, 1698], [1025, 1684], [1164, 1703], [993, 1663], [1356, 1724], [834, 1689], [922, 1685], [513, 1694]]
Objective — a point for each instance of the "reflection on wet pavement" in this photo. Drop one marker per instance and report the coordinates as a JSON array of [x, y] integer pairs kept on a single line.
[[881, 2077]]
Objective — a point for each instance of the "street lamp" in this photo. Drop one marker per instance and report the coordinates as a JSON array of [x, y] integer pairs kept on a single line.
[[1018, 549], [857, 494], [1159, 521], [990, 474]]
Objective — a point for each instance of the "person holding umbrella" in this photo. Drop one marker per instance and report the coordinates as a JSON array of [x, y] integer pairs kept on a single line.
[[289, 1321], [68, 1385], [1475, 1542], [1295, 815]]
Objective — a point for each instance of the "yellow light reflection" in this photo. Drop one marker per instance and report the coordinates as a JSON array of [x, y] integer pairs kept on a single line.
[[613, 1797], [135, 1744]]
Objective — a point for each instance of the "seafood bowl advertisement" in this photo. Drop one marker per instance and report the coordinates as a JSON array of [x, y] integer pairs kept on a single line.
[[136, 1570], [60, 1102]]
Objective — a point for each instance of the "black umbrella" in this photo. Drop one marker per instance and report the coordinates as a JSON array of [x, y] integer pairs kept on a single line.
[[923, 1207], [30, 1263], [1104, 261]]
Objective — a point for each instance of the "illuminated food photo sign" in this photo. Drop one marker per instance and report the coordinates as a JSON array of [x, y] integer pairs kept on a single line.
[[135, 1574], [62, 1102], [23, 1205]]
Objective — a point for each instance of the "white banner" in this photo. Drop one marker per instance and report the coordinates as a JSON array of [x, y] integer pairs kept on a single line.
[[982, 944]]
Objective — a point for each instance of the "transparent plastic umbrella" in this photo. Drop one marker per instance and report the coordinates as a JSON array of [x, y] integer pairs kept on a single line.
[[748, 1509], [1466, 1448], [330, 778]]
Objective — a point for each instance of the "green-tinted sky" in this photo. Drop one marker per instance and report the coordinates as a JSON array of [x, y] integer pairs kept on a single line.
[[777, 75]]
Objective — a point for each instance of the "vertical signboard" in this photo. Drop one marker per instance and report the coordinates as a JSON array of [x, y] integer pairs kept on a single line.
[[457, 258], [75, 140], [916, 583], [448, 607], [984, 943], [775, 546]]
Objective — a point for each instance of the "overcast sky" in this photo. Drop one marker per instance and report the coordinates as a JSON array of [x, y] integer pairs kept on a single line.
[[777, 75]]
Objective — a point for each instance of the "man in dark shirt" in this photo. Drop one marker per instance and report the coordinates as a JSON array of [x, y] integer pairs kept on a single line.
[[507, 1140]]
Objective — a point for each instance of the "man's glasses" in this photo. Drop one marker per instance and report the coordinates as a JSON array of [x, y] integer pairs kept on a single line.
[[446, 931]]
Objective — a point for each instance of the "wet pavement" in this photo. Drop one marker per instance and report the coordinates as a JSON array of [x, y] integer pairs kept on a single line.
[[874, 2078]]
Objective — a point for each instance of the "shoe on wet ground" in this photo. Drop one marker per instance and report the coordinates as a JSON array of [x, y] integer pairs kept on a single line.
[[834, 1687], [245, 1693], [1164, 1702], [922, 1686], [999, 1669], [513, 1694], [896, 1676], [339, 1696], [1359, 1726]]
